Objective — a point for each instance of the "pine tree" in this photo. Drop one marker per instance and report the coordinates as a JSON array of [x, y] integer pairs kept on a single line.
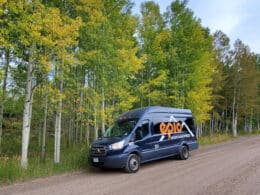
[[219, 118]]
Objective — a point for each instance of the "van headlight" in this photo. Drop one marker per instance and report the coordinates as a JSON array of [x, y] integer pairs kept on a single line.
[[117, 145]]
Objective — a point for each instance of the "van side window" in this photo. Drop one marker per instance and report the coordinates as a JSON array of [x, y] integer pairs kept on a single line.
[[142, 131], [156, 124], [190, 124], [156, 127]]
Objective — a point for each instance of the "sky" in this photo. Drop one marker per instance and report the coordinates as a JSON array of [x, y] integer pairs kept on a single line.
[[238, 19]]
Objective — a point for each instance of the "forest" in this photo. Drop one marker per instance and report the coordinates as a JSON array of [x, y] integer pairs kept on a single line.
[[69, 68]]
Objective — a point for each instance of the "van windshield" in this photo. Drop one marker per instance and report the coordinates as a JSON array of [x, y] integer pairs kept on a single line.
[[120, 128]]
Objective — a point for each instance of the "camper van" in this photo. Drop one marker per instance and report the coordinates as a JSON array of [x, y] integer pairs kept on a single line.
[[143, 135]]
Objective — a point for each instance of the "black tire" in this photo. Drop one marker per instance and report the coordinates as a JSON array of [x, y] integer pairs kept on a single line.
[[132, 163], [184, 152]]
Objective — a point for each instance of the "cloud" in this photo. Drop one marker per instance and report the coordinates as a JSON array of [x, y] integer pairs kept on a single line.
[[236, 18], [222, 14]]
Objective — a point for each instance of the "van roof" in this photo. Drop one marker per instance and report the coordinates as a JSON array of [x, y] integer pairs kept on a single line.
[[139, 112]]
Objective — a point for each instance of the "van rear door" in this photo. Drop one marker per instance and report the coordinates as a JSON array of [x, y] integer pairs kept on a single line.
[[168, 130], [162, 143]]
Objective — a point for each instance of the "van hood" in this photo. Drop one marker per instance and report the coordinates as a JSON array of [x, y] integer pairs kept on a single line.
[[107, 141]]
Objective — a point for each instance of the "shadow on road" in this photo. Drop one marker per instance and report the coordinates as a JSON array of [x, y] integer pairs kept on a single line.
[[104, 171]]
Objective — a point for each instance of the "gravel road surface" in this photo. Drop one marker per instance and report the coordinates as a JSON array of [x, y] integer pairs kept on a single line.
[[227, 168]]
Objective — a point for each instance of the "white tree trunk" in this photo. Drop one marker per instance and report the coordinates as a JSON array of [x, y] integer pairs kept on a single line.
[[39, 126], [235, 129], [87, 131], [227, 129], [103, 111], [76, 127], [212, 124], [245, 125], [45, 124], [251, 121], [258, 122], [70, 129], [27, 113], [80, 116], [87, 126], [6, 66], [197, 132], [95, 123], [234, 115], [58, 128]]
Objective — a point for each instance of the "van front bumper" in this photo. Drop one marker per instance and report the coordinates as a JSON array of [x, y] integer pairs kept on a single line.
[[109, 161]]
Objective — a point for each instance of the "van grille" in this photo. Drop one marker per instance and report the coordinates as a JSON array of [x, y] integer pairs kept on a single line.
[[98, 150]]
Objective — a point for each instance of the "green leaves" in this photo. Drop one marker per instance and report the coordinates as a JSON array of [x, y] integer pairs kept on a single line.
[[179, 60]]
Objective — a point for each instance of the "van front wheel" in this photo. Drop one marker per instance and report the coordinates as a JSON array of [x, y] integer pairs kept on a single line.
[[132, 163], [184, 153]]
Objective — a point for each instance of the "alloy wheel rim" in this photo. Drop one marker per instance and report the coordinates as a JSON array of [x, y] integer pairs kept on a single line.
[[133, 164]]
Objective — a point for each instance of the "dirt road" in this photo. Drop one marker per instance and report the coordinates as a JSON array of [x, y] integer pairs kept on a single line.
[[229, 168]]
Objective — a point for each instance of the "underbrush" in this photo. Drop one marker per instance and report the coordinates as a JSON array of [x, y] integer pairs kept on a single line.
[[72, 159], [253, 132], [217, 138]]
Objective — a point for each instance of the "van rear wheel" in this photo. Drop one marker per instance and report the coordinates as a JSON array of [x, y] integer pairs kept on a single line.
[[132, 163], [184, 153]]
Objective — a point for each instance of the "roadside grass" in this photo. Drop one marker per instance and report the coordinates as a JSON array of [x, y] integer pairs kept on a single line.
[[254, 132], [72, 159], [219, 138], [214, 139]]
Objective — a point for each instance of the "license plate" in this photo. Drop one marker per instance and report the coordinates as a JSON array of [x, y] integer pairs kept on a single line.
[[95, 160]]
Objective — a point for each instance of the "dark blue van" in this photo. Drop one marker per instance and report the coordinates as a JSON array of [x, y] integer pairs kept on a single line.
[[143, 135]]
